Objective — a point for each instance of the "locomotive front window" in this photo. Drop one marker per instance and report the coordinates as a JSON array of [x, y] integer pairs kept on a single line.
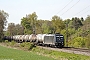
[[59, 38]]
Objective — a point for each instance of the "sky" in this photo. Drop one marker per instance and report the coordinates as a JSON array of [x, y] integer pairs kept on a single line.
[[45, 9]]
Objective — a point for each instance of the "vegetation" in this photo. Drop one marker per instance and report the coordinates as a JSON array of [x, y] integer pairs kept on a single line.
[[3, 20], [13, 54], [76, 31], [28, 51], [60, 55], [27, 45], [24, 45], [14, 29]]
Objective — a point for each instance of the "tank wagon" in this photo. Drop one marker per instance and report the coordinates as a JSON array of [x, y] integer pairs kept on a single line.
[[41, 39]]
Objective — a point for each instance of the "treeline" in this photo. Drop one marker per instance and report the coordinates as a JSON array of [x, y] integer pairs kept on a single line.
[[32, 25], [76, 30]]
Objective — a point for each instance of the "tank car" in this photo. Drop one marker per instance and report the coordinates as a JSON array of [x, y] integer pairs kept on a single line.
[[9, 38], [33, 38], [26, 38], [40, 38]]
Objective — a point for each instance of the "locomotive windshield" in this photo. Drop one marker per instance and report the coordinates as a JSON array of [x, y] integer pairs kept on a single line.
[[59, 38]]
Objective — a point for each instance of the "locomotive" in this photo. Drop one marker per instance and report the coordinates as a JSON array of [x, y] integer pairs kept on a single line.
[[56, 40]]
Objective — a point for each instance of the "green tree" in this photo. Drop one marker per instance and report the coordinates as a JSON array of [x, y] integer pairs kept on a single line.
[[46, 27], [79, 42], [58, 24], [39, 28], [19, 29], [43, 26], [29, 23], [11, 29], [76, 23], [32, 20], [87, 42], [15, 29], [3, 21]]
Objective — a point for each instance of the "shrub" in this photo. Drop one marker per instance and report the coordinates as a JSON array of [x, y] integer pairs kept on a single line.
[[6, 41], [31, 46], [12, 43], [22, 44], [78, 42], [87, 44], [27, 45]]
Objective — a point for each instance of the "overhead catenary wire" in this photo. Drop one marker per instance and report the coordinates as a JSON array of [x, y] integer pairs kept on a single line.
[[70, 7], [64, 7], [82, 10]]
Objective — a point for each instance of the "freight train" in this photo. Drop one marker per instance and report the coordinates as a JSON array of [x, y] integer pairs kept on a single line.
[[56, 40]]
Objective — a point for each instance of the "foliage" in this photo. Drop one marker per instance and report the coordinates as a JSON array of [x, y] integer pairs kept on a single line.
[[88, 41], [60, 55], [27, 45], [29, 22], [72, 29], [14, 29], [78, 42], [76, 23], [6, 41], [11, 29], [3, 21], [57, 23], [12, 43]]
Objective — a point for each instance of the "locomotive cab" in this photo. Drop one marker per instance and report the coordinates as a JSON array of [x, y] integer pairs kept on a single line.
[[59, 40]]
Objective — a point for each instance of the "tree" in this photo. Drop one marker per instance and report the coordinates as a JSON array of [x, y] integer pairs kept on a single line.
[[3, 21], [26, 25], [19, 29], [76, 23], [11, 29], [39, 28], [46, 26], [88, 41], [32, 20], [29, 23], [15, 29], [79, 42], [58, 24]]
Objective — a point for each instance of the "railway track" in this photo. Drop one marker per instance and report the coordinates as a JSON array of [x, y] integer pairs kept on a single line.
[[70, 50]]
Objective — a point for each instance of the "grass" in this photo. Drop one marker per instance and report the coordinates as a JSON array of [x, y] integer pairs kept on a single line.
[[13, 54], [61, 55], [36, 53]]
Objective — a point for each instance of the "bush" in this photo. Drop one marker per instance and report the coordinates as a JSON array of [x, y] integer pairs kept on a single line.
[[22, 44], [88, 41], [31, 46], [78, 42], [6, 41], [27, 45], [12, 43]]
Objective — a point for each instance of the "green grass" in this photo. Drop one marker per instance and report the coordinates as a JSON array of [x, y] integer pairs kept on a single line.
[[61, 55], [36, 53], [13, 54]]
